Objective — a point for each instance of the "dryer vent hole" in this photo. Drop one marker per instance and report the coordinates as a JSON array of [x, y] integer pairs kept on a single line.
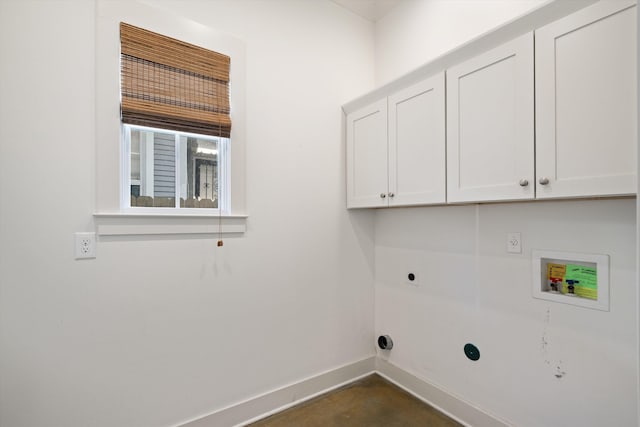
[[385, 342]]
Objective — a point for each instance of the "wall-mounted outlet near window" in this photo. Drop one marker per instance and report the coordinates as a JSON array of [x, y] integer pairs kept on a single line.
[[85, 245]]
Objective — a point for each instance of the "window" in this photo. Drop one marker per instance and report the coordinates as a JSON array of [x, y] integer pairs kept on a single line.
[[167, 169], [175, 113], [114, 214]]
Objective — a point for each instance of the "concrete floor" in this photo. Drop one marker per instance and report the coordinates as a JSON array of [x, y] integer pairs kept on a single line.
[[369, 402]]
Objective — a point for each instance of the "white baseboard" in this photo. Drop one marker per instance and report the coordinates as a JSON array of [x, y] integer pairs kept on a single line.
[[450, 405], [272, 402], [280, 399]]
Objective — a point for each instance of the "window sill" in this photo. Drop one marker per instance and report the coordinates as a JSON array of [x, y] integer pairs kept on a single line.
[[125, 223]]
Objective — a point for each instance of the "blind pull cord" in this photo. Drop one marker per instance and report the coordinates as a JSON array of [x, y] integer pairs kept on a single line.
[[220, 242]]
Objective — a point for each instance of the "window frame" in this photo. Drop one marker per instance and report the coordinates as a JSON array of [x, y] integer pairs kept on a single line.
[[224, 196], [108, 208]]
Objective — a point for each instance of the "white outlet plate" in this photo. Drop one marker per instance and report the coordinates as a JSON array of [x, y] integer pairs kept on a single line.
[[85, 245], [514, 243]]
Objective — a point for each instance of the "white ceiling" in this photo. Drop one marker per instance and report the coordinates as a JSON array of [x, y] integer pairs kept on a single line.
[[369, 9]]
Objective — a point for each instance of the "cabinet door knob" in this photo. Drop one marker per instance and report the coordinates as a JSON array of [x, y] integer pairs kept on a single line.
[[382, 195], [524, 182], [391, 194], [544, 180]]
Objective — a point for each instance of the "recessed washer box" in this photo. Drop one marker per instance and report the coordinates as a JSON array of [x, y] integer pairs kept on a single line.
[[571, 278]]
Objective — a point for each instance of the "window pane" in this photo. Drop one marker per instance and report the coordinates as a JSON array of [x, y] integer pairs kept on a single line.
[[166, 164], [135, 164], [199, 172], [153, 169]]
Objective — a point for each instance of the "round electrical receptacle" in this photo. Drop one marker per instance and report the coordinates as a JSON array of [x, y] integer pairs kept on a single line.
[[472, 352]]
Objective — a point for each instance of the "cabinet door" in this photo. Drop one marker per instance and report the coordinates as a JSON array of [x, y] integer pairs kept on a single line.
[[490, 140], [417, 144], [586, 109], [367, 183]]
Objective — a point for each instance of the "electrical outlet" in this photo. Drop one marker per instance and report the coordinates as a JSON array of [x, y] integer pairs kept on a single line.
[[514, 243], [85, 245]]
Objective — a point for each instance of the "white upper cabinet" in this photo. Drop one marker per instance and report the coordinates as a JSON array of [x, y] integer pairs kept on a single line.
[[405, 166], [417, 144], [524, 121], [367, 181], [490, 125], [586, 111]]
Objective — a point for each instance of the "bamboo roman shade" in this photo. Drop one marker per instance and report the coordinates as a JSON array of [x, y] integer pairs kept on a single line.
[[169, 84]]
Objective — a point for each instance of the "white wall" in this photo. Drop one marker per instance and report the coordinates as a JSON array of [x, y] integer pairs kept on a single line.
[[418, 31], [638, 216], [160, 330], [471, 290]]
